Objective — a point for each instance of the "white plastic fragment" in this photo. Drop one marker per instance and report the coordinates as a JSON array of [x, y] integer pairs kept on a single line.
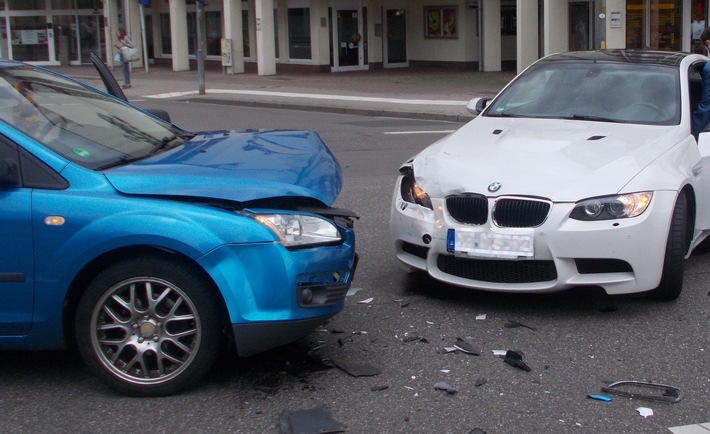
[[499, 352], [481, 317], [445, 371], [645, 411], [430, 322], [352, 291], [366, 301]]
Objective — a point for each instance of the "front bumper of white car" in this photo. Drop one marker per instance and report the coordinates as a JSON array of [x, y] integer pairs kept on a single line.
[[621, 256]]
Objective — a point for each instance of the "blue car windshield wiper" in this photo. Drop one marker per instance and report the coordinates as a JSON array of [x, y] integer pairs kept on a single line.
[[169, 142]]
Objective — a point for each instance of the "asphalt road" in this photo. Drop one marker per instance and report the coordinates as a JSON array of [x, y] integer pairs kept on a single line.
[[574, 342]]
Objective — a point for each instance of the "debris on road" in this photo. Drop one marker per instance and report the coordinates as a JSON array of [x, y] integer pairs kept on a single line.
[[599, 397], [512, 324], [446, 387], [480, 381], [645, 390], [366, 301], [378, 388], [515, 359], [645, 411], [315, 420], [466, 347]]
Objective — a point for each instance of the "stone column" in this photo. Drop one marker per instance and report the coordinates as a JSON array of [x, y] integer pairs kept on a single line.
[[233, 30], [265, 48], [526, 39], [178, 35]]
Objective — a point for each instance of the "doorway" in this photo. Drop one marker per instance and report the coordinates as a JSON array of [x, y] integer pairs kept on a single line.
[[396, 39], [581, 26], [348, 37]]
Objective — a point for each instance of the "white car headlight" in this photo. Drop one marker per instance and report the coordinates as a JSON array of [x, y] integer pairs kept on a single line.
[[411, 191], [612, 207], [295, 230]]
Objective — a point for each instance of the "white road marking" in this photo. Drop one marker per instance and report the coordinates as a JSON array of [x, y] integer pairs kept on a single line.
[[420, 132], [311, 96]]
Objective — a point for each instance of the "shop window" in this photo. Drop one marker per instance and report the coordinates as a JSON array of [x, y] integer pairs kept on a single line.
[[26, 5], [276, 33], [245, 32], [508, 21], [165, 42], [654, 24], [299, 33]]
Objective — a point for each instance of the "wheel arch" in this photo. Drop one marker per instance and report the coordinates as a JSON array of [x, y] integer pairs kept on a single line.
[[92, 269]]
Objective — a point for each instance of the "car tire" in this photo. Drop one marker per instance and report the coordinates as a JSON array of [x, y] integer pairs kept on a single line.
[[676, 247], [149, 326]]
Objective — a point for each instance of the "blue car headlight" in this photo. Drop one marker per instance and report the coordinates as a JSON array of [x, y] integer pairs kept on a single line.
[[612, 207], [296, 230]]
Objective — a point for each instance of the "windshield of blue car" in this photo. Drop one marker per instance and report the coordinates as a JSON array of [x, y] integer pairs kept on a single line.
[[618, 92], [85, 126]]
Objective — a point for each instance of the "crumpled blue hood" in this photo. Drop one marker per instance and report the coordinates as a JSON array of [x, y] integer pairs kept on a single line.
[[237, 165]]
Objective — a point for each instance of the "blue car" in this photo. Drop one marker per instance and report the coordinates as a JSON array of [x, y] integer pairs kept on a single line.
[[150, 248]]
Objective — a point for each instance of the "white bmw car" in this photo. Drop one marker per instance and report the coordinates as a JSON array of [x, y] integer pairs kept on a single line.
[[582, 172]]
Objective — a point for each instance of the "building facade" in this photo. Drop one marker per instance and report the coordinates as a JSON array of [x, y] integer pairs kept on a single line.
[[343, 35]]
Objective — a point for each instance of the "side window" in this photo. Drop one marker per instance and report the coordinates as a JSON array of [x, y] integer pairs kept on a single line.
[[9, 166], [19, 168]]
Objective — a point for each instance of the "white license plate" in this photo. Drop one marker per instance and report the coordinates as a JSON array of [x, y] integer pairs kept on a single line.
[[508, 244]]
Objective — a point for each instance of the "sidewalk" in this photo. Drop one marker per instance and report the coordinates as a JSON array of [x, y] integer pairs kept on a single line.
[[409, 92]]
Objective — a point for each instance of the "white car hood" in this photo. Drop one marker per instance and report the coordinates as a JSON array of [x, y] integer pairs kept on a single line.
[[556, 159]]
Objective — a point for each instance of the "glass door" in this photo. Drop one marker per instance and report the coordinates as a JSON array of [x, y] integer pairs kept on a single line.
[[90, 35], [396, 40], [349, 38], [349, 50], [581, 36]]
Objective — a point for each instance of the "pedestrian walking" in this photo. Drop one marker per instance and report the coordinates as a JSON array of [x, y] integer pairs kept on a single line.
[[124, 41]]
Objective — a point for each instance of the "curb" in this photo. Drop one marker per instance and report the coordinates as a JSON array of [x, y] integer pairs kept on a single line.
[[340, 110]]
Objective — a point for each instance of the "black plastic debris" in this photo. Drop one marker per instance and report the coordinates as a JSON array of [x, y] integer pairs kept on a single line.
[[415, 338], [477, 431], [465, 347], [480, 381], [515, 359], [314, 421], [355, 369], [512, 324], [378, 388], [644, 390], [446, 387]]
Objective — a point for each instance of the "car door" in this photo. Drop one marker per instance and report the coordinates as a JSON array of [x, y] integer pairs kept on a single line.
[[16, 253]]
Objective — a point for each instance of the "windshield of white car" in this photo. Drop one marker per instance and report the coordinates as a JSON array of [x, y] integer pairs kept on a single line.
[[593, 91], [85, 126]]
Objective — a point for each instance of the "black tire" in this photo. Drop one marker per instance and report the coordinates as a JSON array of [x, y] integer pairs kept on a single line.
[[676, 247], [149, 326]]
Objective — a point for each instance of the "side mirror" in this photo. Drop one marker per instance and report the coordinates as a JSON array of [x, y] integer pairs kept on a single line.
[[9, 173], [158, 113], [477, 105]]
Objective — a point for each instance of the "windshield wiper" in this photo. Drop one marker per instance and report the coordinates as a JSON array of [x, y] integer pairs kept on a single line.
[[594, 119], [121, 162], [170, 142]]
